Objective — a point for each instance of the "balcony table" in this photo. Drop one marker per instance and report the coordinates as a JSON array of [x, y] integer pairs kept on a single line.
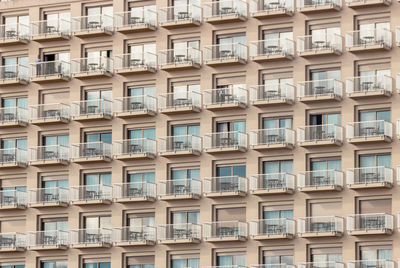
[[226, 10], [137, 105], [367, 85], [183, 15], [93, 238], [227, 231], [369, 131], [48, 155], [93, 25], [135, 20], [135, 148], [133, 192], [8, 158], [92, 195], [272, 228], [135, 62], [180, 189], [272, 5], [50, 29], [181, 233], [178, 145], [136, 236], [319, 180], [181, 102], [9, 116], [51, 113], [319, 90], [11, 34], [229, 187], [272, 184], [7, 242], [180, 58], [8, 200], [49, 197], [319, 44], [90, 151], [50, 240], [10, 74], [226, 54], [93, 66]]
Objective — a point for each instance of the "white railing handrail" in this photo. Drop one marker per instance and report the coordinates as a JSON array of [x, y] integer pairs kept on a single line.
[[145, 189], [259, 6]]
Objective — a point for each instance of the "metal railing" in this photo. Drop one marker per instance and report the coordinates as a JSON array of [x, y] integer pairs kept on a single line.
[[369, 84], [180, 99], [142, 17], [90, 236], [365, 129], [48, 195], [271, 6], [135, 104], [228, 95], [13, 114], [91, 107], [274, 265], [227, 266], [320, 224], [14, 72], [380, 263], [12, 31], [13, 198], [51, 27], [134, 190], [369, 37], [12, 240], [221, 52], [50, 68], [179, 187], [397, 34], [225, 184], [131, 234], [92, 65], [223, 8], [367, 175], [178, 231], [49, 111], [48, 238], [221, 229], [272, 136], [49, 153], [371, 221], [270, 47], [365, 2], [135, 60], [179, 143], [177, 56], [93, 23], [271, 181], [14, 156], [318, 3], [134, 146], [315, 88], [321, 264], [220, 140], [91, 149], [315, 43], [270, 92], [320, 133], [180, 13], [320, 178], [91, 192], [279, 226]]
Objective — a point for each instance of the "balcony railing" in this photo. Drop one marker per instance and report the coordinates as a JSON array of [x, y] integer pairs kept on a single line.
[[274, 265], [13, 156], [379, 263], [134, 61], [14, 31], [135, 147], [13, 198], [272, 181], [305, 4], [370, 222], [90, 236], [272, 227], [47, 69], [178, 231], [10, 115], [369, 37], [17, 72], [49, 195], [132, 104], [225, 184], [320, 224], [91, 149], [225, 52], [319, 43], [321, 264], [317, 133], [271, 136], [179, 143], [49, 111], [102, 22], [225, 140], [397, 35], [87, 66], [320, 88], [143, 17], [134, 234], [91, 107], [180, 13], [49, 153], [50, 238], [272, 92], [366, 84], [225, 96], [227, 266], [60, 27], [179, 56], [219, 9], [176, 100], [179, 187], [284, 6], [369, 175], [320, 178], [271, 47], [223, 229], [98, 192], [12, 241], [366, 129], [145, 190]]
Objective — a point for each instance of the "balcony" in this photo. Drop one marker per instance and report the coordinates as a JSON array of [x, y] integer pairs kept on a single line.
[[181, 233], [225, 186], [225, 142], [180, 59], [14, 34], [327, 264], [93, 25], [272, 138], [223, 11], [320, 90], [269, 229], [134, 192], [84, 68], [369, 177], [311, 6], [100, 109], [320, 135], [91, 194], [369, 131], [367, 3], [262, 9], [134, 236], [48, 240], [180, 102], [91, 152], [369, 40], [320, 226], [48, 197], [181, 145], [277, 265], [272, 94], [49, 155], [135, 63], [225, 231], [135, 106], [397, 33], [13, 199], [90, 238], [13, 158], [231, 97], [369, 86], [12, 242], [180, 16], [133, 22], [319, 45], [271, 50], [13, 117], [225, 54], [50, 71], [370, 224], [382, 263], [273, 183], [49, 113], [14, 75], [50, 30], [143, 148], [320, 181], [179, 189]]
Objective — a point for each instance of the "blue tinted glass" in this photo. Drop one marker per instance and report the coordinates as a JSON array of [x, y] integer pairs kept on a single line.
[[104, 265], [239, 171], [106, 137], [105, 178]]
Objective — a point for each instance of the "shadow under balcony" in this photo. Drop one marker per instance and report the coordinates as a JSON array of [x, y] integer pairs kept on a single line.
[[91, 194], [48, 240], [313, 6], [135, 63], [134, 192], [179, 59], [49, 155], [91, 152], [225, 231], [13, 117], [369, 177], [13, 199], [320, 226], [369, 40], [135, 106], [369, 132], [134, 236], [272, 138], [87, 68], [262, 9], [225, 186], [225, 142], [272, 94], [270, 229], [320, 135], [14, 75], [93, 25], [13, 158], [179, 16], [232, 97], [143, 20], [51, 113], [319, 45], [225, 54], [271, 50], [180, 145], [273, 183], [51, 30], [132, 149], [12, 242], [369, 86], [370, 224], [320, 181], [179, 189], [320, 90], [91, 238], [355, 4], [180, 233], [14, 34], [223, 11], [88, 110], [48, 197]]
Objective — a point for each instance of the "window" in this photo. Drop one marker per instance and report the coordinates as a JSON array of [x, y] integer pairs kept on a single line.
[[183, 261], [376, 160], [318, 208], [326, 164], [20, 102], [55, 181], [142, 91], [183, 217], [231, 126], [140, 219], [375, 115], [278, 257], [323, 81], [101, 14], [370, 206], [96, 222], [184, 130], [270, 123], [20, 143], [97, 263], [97, 179], [16, 25], [183, 45], [54, 264], [323, 35], [231, 214], [231, 259], [54, 224], [8, 265], [228, 40], [8, 188], [183, 91], [231, 171], [140, 262], [373, 122], [94, 55], [142, 52], [12, 62], [279, 166], [57, 97], [56, 140], [141, 177], [320, 256], [98, 137], [100, 94], [375, 252], [376, 29], [278, 212], [142, 133], [138, 13], [276, 40]]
